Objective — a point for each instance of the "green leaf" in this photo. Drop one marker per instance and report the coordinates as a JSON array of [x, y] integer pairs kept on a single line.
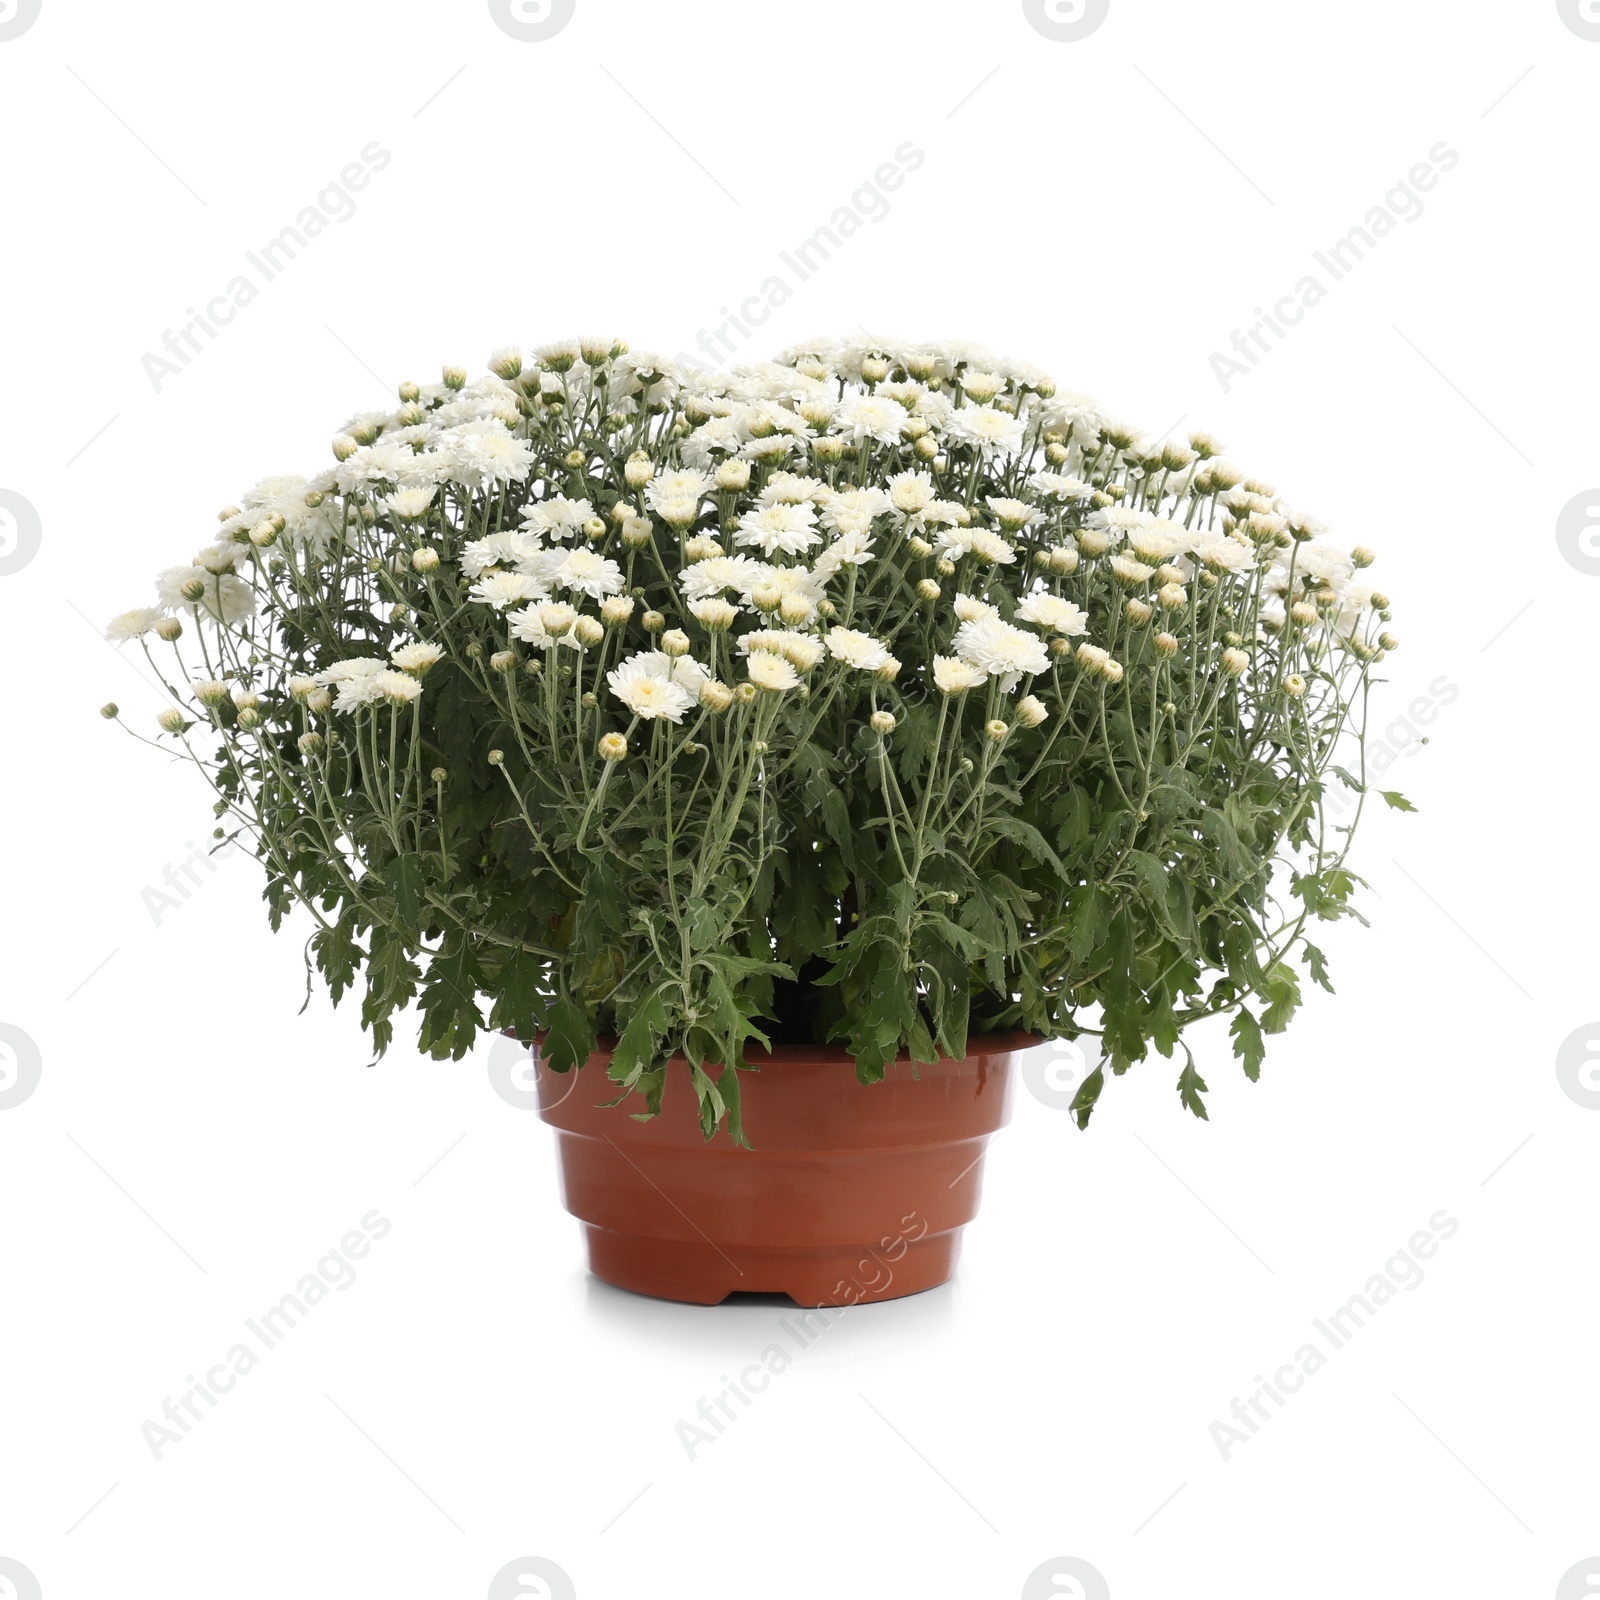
[[403, 878], [1397, 801], [1190, 1087], [1248, 1044], [1083, 1102]]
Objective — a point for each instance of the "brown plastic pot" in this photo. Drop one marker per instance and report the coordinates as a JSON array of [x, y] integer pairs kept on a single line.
[[851, 1193]]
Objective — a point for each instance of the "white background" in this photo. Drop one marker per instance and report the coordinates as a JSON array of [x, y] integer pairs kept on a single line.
[[1112, 209]]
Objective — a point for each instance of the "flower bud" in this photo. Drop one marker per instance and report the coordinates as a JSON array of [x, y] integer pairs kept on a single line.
[[1063, 561], [874, 369], [636, 533], [793, 608], [557, 618], [1303, 613], [745, 692], [1380, 602], [169, 628], [715, 696], [1172, 597], [1165, 644], [1362, 556], [1138, 612], [1234, 662], [919, 547], [944, 567], [344, 447], [503, 661], [1031, 711], [766, 597], [733, 475], [652, 622], [409, 392], [615, 610], [319, 700], [439, 774], [927, 589], [587, 632], [194, 589], [996, 731], [250, 718], [263, 536], [454, 377], [172, 720], [311, 744], [497, 758], [110, 710], [883, 722], [639, 470], [425, 559], [1294, 686], [1387, 641], [613, 747], [574, 459], [1092, 542]]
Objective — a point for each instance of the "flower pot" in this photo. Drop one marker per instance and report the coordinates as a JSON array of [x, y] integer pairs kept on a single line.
[[852, 1192]]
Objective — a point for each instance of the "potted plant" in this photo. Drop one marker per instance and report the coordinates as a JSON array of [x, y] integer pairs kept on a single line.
[[780, 752]]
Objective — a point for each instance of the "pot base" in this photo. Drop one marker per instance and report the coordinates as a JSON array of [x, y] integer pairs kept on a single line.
[[830, 1275]]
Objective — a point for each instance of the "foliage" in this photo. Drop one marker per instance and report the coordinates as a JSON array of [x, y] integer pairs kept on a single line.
[[881, 694]]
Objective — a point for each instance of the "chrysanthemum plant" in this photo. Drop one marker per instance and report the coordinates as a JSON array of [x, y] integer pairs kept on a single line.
[[882, 695]]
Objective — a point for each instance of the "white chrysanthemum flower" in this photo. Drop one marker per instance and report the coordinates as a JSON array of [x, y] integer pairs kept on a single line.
[[791, 489], [718, 573], [990, 430], [1128, 570], [558, 517], [788, 584], [398, 688], [491, 458], [644, 684], [865, 416], [947, 513], [671, 487], [1052, 612], [226, 598], [1000, 648], [356, 680], [968, 608], [1118, 521], [502, 589], [911, 492], [133, 624], [1222, 554], [852, 511], [585, 572], [1013, 515], [1159, 541], [416, 657], [849, 550], [857, 649], [768, 670], [952, 675], [1324, 561], [714, 613], [1061, 486], [409, 504], [778, 527], [783, 642], [495, 550]]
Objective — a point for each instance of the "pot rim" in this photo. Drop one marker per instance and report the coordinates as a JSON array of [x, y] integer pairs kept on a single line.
[[1009, 1042]]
